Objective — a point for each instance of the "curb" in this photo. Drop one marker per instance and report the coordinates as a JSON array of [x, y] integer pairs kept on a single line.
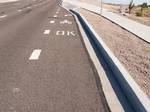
[[113, 104], [136, 97]]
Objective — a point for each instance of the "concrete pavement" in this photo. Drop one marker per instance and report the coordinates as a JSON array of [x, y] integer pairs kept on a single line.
[[44, 66]]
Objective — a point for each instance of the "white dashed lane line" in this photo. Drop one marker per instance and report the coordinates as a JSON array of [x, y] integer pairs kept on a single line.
[[52, 22], [19, 10], [55, 16], [35, 54], [3, 16], [46, 32], [28, 7]]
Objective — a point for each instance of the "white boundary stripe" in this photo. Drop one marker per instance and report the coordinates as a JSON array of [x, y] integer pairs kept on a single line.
[[52, 21], [35, 54], [46, 32], [3, 16]]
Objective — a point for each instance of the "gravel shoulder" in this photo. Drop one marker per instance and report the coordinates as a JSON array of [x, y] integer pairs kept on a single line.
[[132, 52]]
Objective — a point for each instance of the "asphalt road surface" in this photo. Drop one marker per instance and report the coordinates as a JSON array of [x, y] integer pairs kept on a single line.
[[44, 66]]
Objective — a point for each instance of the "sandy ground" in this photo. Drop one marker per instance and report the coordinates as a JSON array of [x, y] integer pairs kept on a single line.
[[132, 52], [143, 20]]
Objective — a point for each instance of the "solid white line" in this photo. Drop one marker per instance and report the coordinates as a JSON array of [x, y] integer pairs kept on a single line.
[[35, 54], [52, 22], [3, 16], [46, 32]]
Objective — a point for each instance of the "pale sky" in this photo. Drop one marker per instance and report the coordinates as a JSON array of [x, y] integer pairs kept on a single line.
[[126, 1]]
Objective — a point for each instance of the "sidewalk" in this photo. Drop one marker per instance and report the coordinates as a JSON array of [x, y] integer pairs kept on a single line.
[[136, 28]]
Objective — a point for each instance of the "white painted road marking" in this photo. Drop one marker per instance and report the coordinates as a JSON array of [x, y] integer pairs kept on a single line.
[[52, 21], [68, 33], [19, 10], [68, 15], [60, 33], [3, 16], [65, 22], [35, 54], [6, 1], [46, 32], [57, 12], [71, 33], [55, 16]]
